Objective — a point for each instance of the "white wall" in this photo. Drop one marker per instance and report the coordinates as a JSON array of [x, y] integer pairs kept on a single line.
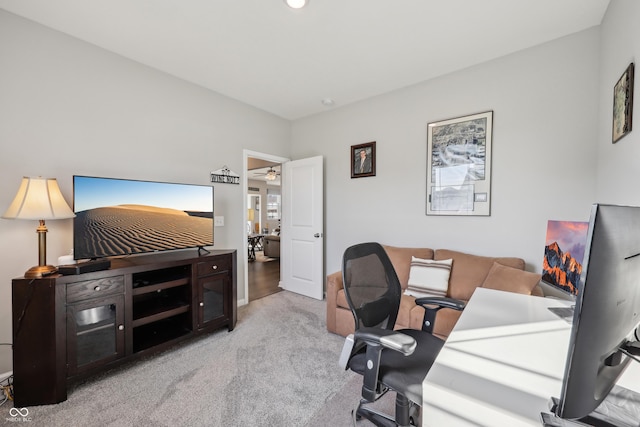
[[545, 126], [618, 163], [68, 107]]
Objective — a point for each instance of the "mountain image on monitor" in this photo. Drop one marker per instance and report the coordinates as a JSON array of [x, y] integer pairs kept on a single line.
[[563, 254]]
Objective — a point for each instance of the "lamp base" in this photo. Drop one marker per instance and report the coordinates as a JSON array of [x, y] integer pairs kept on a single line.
[[40, 271]]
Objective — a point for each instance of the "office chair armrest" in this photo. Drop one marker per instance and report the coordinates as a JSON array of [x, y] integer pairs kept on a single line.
[[441, 302], [382, 338], [377, 340], [347, 352], [393, 340], [431, 306]]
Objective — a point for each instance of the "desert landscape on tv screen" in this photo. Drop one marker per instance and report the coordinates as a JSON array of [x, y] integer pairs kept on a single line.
[[144, 217]]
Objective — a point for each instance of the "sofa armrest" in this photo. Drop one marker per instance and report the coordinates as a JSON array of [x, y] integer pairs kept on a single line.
[[334, 284], [334, 281]]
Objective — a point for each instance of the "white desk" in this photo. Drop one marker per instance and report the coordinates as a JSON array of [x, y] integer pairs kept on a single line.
[[501, 364]]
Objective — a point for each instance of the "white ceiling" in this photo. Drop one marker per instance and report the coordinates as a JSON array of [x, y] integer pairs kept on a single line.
[[286, 61]]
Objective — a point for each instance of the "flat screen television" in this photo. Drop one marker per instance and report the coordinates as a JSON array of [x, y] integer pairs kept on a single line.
[[117, 217], [606, 314]]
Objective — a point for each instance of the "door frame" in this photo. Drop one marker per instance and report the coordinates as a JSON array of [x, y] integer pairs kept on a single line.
[[245, 192]]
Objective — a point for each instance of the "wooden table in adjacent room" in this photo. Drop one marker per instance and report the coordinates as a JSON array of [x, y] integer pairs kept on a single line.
[[254, 241]]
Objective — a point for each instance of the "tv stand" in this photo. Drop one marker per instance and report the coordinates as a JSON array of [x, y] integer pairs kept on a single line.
[[67, 328]]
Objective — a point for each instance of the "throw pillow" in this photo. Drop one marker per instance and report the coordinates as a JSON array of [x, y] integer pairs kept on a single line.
[[428, 278], [510, 279]]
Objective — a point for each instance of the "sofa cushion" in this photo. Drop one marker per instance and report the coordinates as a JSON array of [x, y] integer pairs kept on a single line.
[[504, 278], [428, 278], [469, 271], [401, 260]]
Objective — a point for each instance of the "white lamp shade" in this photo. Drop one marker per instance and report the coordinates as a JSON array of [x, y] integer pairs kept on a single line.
[[38, 198]]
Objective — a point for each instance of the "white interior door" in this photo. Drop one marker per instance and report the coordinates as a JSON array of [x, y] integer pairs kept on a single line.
[[302, 234]]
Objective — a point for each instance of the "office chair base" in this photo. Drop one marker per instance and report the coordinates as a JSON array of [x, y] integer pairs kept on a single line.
[[407, 414]]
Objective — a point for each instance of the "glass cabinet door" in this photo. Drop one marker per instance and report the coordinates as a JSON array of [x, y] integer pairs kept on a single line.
[[212, 296], [95, 332]]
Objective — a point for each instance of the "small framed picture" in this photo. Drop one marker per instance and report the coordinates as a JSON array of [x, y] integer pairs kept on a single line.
[[623, 104], [363, 160]]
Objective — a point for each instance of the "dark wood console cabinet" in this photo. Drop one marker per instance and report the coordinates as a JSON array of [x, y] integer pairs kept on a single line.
[[66, 328]]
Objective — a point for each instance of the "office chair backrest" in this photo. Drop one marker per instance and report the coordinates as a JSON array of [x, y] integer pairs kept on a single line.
[[371, 286]]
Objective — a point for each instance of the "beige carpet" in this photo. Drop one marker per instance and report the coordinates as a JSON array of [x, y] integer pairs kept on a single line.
[[279, 367]]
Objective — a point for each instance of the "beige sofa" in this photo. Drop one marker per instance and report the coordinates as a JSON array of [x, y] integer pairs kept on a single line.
[[271, 245], [467, 273]]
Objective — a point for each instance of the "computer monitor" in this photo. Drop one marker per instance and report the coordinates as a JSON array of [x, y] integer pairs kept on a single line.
[[607, 311]]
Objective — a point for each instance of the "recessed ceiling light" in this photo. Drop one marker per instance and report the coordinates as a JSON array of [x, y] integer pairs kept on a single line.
[[328, 102], [296, 4]]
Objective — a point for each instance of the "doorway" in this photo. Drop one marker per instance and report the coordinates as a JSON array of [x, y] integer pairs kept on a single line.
[[263, 208]]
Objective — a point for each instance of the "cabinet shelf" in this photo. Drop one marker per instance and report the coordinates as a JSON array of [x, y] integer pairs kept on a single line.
[[154, 310], [97, 327], [157, 333], [145, 289]]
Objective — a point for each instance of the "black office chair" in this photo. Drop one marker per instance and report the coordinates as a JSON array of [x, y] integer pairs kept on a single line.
[[388, 359]]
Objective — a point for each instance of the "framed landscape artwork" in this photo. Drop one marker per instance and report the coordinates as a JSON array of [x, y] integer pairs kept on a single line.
[[363, 160], [623, 104], [459, 165]]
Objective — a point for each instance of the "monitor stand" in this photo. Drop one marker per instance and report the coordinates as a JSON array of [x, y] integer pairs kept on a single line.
[[621, 408], [565, 313]]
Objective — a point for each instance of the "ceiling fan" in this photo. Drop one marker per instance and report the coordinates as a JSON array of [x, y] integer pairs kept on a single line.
[[270, 175]]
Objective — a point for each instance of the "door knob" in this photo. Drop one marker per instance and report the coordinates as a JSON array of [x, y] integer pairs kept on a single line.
[[317, 235]]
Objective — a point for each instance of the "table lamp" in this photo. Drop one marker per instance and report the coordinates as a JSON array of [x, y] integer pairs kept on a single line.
[[39, 199]]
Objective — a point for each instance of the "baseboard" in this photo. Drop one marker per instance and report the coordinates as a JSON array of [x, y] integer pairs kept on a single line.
[[5, 375]]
